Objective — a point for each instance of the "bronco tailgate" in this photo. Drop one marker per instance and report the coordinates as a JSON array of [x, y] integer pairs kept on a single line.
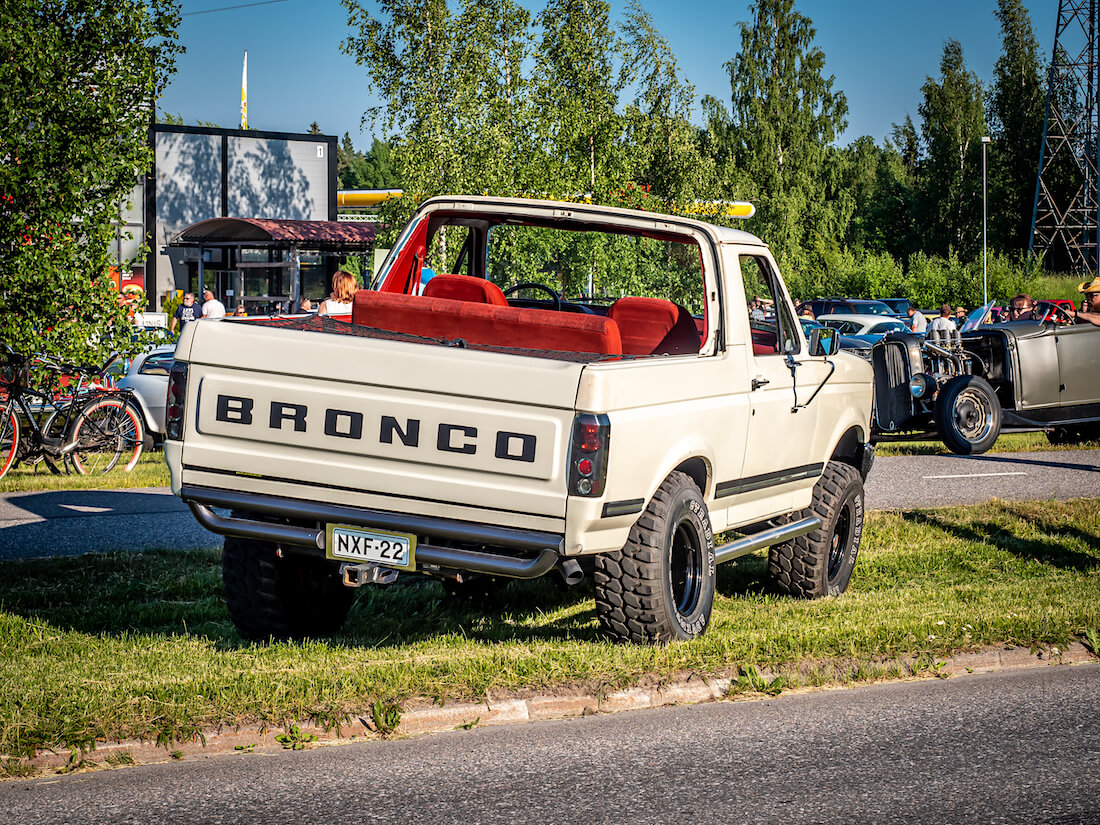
[[482, 436]]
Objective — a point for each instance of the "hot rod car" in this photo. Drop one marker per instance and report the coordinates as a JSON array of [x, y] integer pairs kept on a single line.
[[964, 387]]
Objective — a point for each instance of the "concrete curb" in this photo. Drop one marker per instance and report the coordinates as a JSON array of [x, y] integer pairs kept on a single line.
[[420, 717]]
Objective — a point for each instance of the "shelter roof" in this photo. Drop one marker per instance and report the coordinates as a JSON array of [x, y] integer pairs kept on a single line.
[[280, 234]]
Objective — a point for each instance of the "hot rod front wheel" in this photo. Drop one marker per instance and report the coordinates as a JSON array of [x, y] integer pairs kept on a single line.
[[968, 415]]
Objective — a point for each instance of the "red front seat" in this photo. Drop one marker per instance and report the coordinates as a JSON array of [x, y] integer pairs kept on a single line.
[[465, 288], [654, 326]]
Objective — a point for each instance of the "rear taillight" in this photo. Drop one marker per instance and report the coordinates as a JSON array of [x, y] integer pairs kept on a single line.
[[588, 456], [176, 403]]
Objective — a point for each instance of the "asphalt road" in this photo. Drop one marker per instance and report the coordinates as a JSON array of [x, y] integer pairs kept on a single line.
[[1015, 747], [907, 482], [76, 522]]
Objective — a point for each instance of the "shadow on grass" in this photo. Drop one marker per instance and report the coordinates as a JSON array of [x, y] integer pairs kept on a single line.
[[170, 594], [1047, 549], [747, 576], [165, 593]]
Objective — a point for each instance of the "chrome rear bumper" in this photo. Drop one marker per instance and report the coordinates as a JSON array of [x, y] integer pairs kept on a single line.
[[542, 551]]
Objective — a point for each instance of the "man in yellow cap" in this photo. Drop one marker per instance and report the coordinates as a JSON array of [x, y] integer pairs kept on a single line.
[[1090, 309]]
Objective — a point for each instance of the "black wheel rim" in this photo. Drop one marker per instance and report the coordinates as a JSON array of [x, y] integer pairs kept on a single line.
[[842, 535], [686, 568]]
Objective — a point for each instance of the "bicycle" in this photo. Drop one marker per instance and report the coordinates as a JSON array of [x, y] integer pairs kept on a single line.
[[89, 431]]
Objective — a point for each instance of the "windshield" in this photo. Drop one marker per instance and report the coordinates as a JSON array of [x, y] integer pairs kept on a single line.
[[871, 308], [886, 326], [842, 326], [977, 317]]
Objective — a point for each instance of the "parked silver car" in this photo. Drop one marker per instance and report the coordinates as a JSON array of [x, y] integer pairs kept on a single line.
[[146, 374]]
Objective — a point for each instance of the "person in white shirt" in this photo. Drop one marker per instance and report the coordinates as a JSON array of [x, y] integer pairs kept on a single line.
[[920, 323], [342, 297], [212, 307], [944, 322]]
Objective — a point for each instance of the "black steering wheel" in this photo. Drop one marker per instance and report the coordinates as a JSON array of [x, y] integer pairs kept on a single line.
[[536, 286], [1061, 314]]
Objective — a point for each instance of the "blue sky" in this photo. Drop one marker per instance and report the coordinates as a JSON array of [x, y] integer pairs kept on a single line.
[[880, 53]]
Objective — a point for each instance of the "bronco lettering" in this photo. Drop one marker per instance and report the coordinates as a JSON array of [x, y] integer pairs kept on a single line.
[[450, 438]]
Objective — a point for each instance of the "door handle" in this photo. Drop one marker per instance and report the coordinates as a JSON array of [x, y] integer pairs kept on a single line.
[[757, 383]]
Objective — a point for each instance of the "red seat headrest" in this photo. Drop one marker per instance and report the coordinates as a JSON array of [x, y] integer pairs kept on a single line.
[[465, 288]]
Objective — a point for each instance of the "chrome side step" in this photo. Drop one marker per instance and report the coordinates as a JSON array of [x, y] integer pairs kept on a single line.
[[758, 541]]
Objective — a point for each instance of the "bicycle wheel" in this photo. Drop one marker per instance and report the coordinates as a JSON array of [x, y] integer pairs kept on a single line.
[[9, 438], [107, 431]]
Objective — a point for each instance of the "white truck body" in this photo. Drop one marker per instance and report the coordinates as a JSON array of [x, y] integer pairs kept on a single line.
[[400, 429]]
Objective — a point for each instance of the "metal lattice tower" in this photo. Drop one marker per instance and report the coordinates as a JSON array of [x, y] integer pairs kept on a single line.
[[1064, 221]]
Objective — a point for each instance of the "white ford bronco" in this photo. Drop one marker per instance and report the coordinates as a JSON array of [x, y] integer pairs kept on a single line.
[[469, 422]]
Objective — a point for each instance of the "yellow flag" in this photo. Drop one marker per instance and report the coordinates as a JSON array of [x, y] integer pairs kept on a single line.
[[244, 93]]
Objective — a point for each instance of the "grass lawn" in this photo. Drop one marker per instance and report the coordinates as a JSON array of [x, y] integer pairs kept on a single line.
[[150, 471], [139, 645], [1008, 443]]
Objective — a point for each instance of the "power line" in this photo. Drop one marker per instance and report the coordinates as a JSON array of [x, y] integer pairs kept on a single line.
[[230, 8]]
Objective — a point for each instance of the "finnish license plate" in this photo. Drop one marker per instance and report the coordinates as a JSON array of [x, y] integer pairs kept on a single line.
[[358, 544]]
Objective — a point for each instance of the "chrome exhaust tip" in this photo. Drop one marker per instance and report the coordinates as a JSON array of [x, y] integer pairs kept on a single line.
[[571, 572]]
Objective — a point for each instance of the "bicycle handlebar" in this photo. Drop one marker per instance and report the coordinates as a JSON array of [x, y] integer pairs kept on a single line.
[[71, 369]]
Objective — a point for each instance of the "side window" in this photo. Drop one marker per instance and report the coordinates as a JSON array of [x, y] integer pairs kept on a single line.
[[769, 321], [450, 250], [158, 364], [843, 327], [119, 366]]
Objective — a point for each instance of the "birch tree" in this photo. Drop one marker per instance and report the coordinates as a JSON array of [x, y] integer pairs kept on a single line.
[[78, 82]]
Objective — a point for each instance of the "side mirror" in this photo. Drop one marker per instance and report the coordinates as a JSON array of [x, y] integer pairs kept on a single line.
[[824, 341]]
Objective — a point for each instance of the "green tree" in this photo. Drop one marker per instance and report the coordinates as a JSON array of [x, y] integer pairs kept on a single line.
[[882, 184], [365, 170], [453, 94], [664, 146], [351, 166], [1017, 106], [407, 51], [579, 75], [952, 125], [381, 167], [78, 81], [493, 107], [785, 117]]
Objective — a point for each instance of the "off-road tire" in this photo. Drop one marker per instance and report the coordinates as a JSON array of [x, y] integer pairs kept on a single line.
[[660, 586], [820, 563], [281, 598], [968, 415]]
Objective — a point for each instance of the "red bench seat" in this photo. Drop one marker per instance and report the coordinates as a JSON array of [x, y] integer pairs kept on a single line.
[[487, 324]]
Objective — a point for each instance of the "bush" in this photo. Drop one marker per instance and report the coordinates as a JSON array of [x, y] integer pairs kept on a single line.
[[928, 281]]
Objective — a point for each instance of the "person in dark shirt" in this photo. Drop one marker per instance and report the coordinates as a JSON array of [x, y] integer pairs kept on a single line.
[[185, 313], [1090, 307]]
